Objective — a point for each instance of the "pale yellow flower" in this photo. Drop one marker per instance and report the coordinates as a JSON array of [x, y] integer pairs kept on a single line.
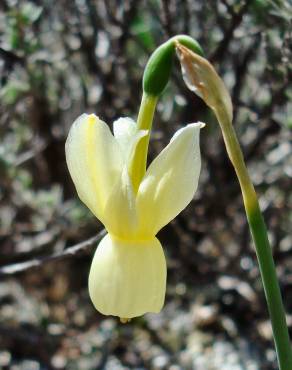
[[128, 272]]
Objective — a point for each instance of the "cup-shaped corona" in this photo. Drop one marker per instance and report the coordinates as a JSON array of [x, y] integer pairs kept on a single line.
[[128, 272], [127, 278]]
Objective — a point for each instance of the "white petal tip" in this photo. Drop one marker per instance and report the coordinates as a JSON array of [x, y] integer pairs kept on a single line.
[[198, 124]]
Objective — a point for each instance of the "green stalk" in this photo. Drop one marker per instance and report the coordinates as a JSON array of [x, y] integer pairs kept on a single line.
[[144, 122], [201, 77], [263, 249], [155, 79]]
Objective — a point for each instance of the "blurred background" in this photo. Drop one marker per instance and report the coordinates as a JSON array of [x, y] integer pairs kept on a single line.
[[60, 58]]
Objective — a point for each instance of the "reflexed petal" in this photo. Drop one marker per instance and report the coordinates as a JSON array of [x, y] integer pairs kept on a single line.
[[120, 212], [170, 181], [127, 135], [124, 129], [94, 161], [127, 279]]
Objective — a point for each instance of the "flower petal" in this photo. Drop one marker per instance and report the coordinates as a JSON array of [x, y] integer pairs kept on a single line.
[[128, 136], [94, 161], [120, 217], [170, 181], [127, 279], [124, 129]]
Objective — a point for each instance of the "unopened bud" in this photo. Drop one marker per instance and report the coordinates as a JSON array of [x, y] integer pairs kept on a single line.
[[158, 68], [201, 78]]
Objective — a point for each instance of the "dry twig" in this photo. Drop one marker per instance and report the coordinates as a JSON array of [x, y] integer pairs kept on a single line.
[[70, 252]]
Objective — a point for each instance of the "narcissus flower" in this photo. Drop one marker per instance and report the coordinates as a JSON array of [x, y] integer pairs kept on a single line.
[[128, 272]]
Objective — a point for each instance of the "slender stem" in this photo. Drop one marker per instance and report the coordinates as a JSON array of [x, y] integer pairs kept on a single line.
[[144, 122], [262, 245], [201, 77]]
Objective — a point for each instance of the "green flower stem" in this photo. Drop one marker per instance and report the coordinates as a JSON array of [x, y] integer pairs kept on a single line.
[[263, 248], [155, 79], [144, 122], [201, 77]]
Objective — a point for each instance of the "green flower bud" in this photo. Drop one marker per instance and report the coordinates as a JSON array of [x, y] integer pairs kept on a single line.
[[158, 68]]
